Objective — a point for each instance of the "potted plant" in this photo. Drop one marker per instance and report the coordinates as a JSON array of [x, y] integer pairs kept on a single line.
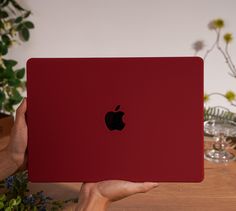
[[14, 27]]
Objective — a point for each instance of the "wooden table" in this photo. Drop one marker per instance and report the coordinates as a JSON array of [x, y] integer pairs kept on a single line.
[[217, 192]]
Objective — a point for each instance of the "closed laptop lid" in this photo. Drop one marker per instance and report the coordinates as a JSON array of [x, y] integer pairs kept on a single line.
[[93, 119]]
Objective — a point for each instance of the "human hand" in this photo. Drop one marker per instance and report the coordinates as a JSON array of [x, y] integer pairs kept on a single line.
[[18, 139], [98, 196]]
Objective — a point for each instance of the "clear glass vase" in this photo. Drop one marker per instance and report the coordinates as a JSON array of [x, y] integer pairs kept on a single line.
[[220, 130]]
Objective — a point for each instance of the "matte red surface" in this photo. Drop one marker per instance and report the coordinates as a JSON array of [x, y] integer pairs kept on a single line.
[[163, 103]]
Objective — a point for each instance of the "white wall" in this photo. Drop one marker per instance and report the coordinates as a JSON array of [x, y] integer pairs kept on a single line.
[[90, 28]]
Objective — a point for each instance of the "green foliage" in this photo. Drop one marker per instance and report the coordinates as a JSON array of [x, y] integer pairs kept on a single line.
[[14, 25], [15, 196], [218, 113]]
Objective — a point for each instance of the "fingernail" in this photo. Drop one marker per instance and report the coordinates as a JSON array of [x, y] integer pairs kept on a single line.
[[155, 184]]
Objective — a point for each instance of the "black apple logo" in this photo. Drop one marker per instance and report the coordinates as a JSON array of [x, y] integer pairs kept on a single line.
[[114, 120]]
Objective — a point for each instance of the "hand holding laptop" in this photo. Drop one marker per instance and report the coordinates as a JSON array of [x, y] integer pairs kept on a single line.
[[93, 196]]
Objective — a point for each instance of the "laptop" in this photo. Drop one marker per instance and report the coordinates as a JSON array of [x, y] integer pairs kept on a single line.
[[136, 119]]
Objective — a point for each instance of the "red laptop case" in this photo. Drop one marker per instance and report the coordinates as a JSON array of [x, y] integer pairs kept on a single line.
[[136, 119]]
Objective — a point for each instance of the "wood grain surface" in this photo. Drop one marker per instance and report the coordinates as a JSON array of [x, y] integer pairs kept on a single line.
[[217, 192]]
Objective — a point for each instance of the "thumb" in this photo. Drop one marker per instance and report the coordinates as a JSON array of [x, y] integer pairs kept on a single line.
[[146, 186], [20, 112]]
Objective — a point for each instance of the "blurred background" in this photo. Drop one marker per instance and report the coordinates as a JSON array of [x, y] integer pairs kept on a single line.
[[108, 28]]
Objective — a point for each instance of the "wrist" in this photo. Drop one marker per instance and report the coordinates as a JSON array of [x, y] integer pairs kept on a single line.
[[7, 165], [92, 201], [16, 158]]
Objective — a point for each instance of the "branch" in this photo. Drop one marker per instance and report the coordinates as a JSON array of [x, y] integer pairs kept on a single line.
[[224, 54], [212, 47], [229, 57], [222, 95]]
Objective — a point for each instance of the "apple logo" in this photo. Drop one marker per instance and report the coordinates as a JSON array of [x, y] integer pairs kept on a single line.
[[113, 119]]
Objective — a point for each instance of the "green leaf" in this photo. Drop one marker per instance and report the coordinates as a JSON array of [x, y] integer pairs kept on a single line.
[[1, 205], [1, 25], [3, 14], [19, 19], [27, 14], [5, 3], [13, 82], [18, 200], [25, 34], [29, 24], [9, 63], [6, 40], [8, 106], [16, 97], [8, 209], [19, 27], [3, 48], [20, 73], [12, 203], [22, 207], [2, 98], [17, 6], [3, 197], [9, 74]]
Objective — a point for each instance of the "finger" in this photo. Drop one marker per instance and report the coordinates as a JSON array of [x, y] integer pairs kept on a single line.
[[142, 187], [20, 112]]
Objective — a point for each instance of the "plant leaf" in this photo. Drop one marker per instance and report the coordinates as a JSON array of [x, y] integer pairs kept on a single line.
[[9, 62], [13, 82], [17, 6], [16, 97], [8, 209], [20, 73], [1, 205], [29, 24], [3, 14], [12, 203], [27, 14], [9, 74], [4, 3], [18, 200], [1, 25], [2, 197], [3, 48], [2, 98], [25, 34], [18, 19], [6, 40], [19, 27]]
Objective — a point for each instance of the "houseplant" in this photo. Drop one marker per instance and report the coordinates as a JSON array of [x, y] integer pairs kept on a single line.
[[14, 28]]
